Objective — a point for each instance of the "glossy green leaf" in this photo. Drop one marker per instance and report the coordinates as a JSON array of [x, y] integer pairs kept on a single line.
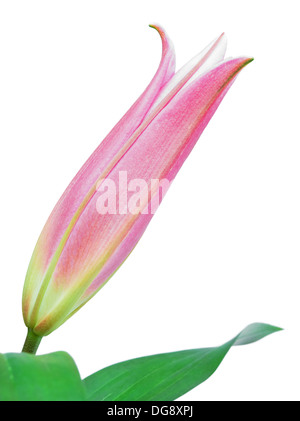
[[50, 377], [165, 377]]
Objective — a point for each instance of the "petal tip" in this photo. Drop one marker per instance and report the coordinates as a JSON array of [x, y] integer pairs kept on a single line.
[[222, 41], [223, 35], [242, 62], [159, 29], [167, 44], [156, 26], [248, 60]]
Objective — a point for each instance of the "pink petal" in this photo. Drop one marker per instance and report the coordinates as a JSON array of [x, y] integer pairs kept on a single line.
[[98, 244], [77, 192]]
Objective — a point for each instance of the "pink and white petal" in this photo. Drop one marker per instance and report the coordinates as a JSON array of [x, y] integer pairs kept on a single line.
[[213, 54], [101, 242], [79, 187]]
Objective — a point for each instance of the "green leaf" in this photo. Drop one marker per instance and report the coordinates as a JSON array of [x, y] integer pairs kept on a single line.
[[165, 377], [50, 377]]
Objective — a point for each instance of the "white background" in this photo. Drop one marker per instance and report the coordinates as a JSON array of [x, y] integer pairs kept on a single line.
[[223, 249]]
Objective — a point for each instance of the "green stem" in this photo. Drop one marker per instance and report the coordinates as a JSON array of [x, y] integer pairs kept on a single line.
[[32, 342]]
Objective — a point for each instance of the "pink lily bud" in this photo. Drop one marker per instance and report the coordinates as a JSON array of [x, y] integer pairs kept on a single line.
[[110, 202]]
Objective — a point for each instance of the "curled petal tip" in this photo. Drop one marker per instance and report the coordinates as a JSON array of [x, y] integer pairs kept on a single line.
[[155, 26], [167, 45], [160, 30]]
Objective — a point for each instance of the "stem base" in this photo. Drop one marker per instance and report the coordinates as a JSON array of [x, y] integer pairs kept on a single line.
[[32, 342]]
